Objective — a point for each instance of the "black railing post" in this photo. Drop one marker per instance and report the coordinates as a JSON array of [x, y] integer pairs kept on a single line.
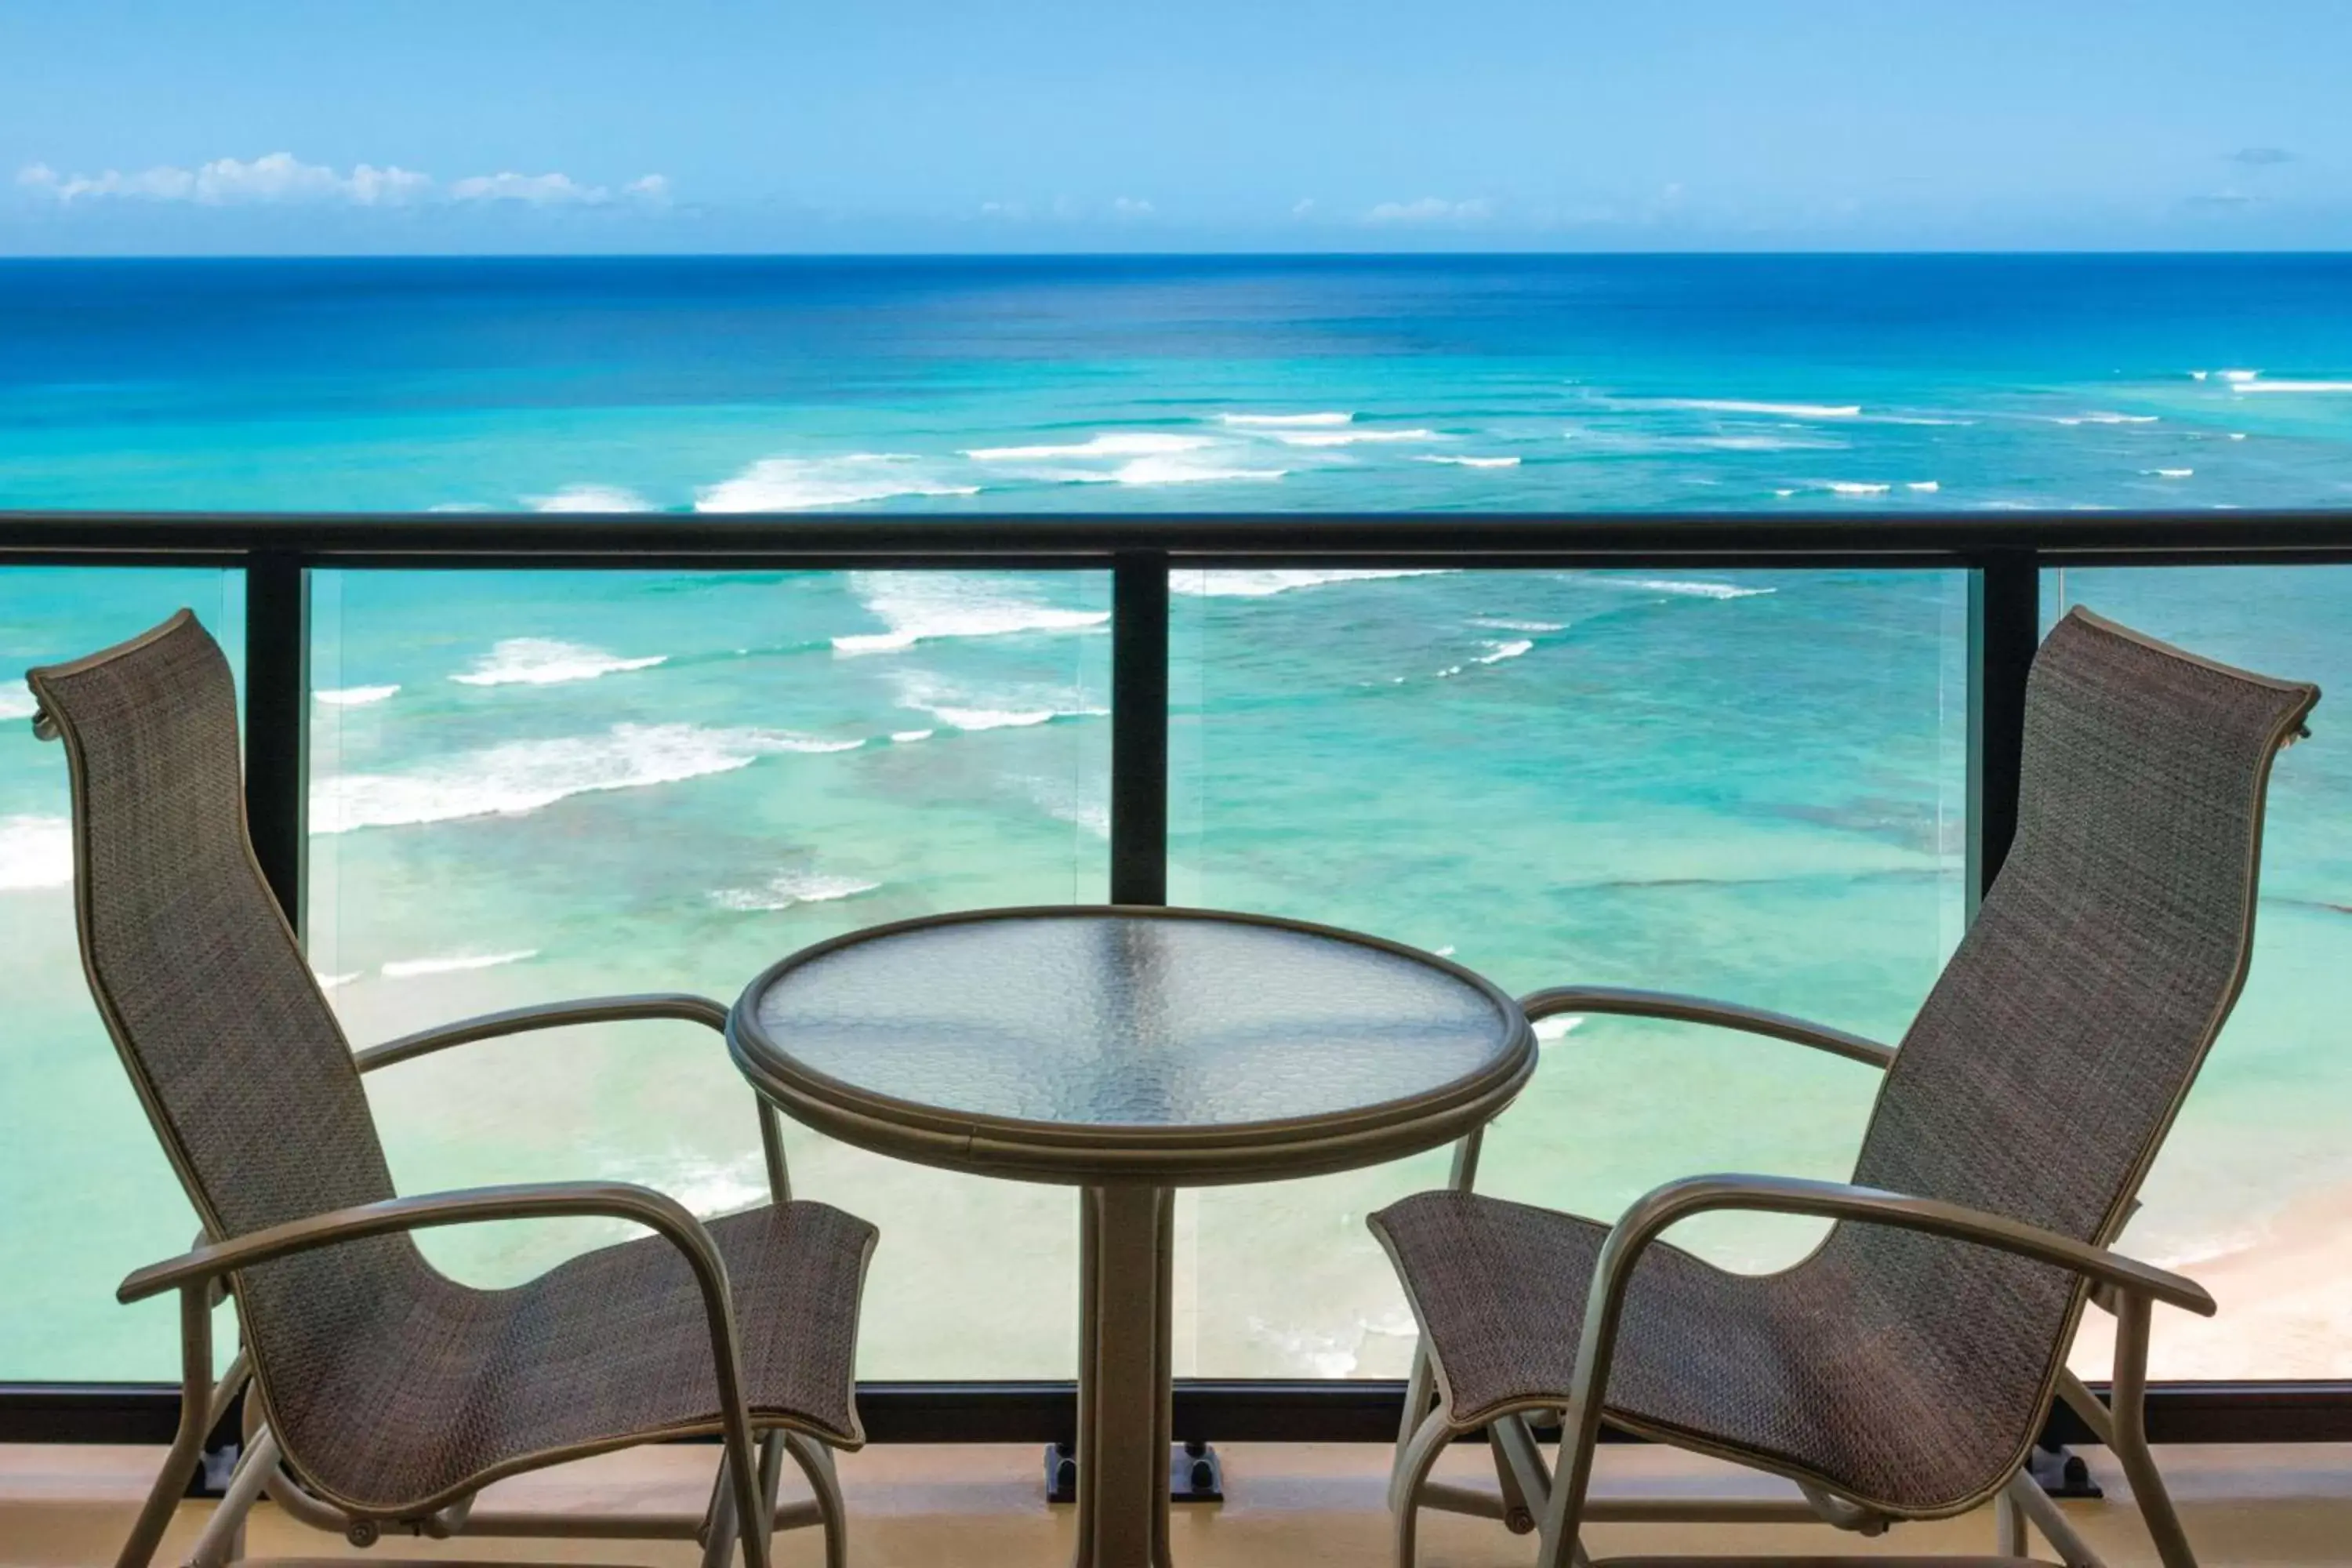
[[1139, 728], [2004, 629], [278, 720]]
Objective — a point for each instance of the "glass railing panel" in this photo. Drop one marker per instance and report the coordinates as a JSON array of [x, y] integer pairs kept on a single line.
[[87, 1191], [1743, 785], [2253, 1193], [530, 786]]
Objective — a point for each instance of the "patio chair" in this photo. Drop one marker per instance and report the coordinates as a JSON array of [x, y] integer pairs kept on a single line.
[[382, 1396], [1903, 1369]]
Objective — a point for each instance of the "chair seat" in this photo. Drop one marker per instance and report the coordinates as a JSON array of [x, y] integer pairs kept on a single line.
[[461, 1385], [1793, 1370]]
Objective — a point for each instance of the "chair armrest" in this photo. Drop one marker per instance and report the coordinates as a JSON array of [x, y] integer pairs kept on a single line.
[[536, 1199], [1664, 1207], [547, 1016], [1617, 1002]]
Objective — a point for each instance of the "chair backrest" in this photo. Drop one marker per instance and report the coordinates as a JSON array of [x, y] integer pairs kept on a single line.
[[2041, 1074], [244, 1071]]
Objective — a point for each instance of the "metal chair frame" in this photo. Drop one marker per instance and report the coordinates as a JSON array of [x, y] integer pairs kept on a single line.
[[1552, 1501], [747, 1482]]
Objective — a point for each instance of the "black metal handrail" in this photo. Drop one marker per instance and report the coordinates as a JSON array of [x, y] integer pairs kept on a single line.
[[2004, 555], [641, 539]]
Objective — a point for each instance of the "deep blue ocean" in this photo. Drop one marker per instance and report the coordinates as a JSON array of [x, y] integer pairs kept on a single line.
[[1744, 784]]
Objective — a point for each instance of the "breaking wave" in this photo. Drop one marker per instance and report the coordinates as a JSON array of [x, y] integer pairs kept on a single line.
[[924, 606], [517, 777], [1259, 583], [791, 887], [793, 484], [543, 662]]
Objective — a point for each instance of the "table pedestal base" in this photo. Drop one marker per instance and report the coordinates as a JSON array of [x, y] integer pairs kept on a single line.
[[1127, 1256], [1195, 1473]]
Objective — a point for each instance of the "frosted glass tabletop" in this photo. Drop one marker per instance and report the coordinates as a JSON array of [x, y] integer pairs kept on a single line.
[[1123, 1019]]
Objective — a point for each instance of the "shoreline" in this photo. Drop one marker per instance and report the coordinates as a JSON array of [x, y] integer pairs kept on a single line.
[[2285, 1308]]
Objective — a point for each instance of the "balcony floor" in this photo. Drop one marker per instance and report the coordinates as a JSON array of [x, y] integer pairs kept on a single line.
[[1291, 1505]]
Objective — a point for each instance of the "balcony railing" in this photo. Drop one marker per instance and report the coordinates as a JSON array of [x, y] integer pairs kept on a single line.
[[2003, 555]]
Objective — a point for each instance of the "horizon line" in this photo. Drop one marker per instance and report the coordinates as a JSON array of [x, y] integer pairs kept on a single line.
[[1425, 254]]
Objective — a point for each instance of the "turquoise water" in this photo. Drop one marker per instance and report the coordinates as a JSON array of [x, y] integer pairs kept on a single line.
[[528, 786]]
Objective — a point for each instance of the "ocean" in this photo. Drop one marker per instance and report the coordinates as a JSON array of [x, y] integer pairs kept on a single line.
[[1744, 784]]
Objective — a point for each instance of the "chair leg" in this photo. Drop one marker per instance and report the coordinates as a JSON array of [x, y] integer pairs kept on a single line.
[[2008, 1527], [1414, 1461], [2027, 1497], [223, 1533], [1419, 1395], [201, 1404], [832, 1516], [2127, 1406], [772, 1475], [719, 1520]]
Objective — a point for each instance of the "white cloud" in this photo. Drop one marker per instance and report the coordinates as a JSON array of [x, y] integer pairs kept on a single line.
[[1303, 206], [1431, 209], [273, 177], [1129, 206], [281, 178], [538, 190], [388, 186]]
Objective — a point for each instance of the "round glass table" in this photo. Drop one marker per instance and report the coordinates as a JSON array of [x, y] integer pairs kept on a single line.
[[1129, 1051]]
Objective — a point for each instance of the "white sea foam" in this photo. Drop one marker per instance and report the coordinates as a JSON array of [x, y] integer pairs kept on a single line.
[[1259, 583], [792, 484], [1496, 623], [1177, 470], [908, 737], [2199, 375], [1685, 588], [1016, 708], [356, 696], [1353, 437], [407, 968], [1853, 488], [791, 887], [1557, 1027], [332, 982], [1462, 462], [1127, 443], [545, 661], [2240, 377], [519, 777], [1497, 652], [925, 606], [1925, 487], [1747, 406], [590, 498], [2168, 473], [2237, 434], [2291, 386], [18, 704], [1751, 444], [2106, 418], [1285, 421], [36, 852]]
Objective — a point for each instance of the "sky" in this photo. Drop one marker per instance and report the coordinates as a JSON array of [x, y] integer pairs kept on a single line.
[[346, 126]]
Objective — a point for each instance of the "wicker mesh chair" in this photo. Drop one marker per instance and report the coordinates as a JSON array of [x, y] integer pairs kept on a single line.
[[1902, 1370], [382, 1395]]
